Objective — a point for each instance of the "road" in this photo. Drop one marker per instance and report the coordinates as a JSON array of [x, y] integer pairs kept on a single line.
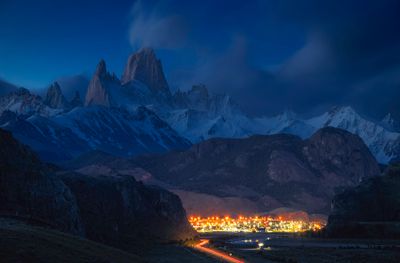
[[213, 252]]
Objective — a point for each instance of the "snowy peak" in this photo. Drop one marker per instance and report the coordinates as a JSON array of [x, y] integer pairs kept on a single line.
[[287, 116], [343, 117], [98, 92], [383, 143], [54, 97], [198, 98], [22, 102], [144, 67], [343, 112], [391, 123]]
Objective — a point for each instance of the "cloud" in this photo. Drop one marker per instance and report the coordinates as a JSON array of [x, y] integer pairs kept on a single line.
[[323, 53], [150, 28]]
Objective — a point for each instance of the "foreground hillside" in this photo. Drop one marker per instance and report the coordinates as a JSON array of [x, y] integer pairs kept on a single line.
[[115, 210], [20, 242], [371, 209]]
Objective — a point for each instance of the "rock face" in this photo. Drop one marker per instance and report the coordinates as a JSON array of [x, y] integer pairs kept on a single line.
[[54, 97], [144, 67], [98, 92], [331, 147], [371, 209], [119, 211], [274, 171], [28, 189], [109, 208]]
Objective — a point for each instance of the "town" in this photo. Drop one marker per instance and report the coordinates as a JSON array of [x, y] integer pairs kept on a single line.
[[252, 224]]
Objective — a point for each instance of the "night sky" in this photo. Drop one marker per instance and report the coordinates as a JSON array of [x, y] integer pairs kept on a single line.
[[304, 55]]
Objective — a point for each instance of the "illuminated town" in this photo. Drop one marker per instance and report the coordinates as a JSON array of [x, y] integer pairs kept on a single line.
[[252, 224]]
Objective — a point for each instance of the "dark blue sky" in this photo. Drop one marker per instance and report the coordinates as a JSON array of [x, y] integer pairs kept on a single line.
[[305, 55]]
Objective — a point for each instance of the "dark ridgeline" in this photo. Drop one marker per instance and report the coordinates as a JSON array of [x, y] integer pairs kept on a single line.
[[115, 210], [272, 171]]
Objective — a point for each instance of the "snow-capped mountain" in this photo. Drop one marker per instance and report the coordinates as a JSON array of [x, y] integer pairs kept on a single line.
[[199, 115], [54, 97], [23, 102], [384, 144], [112, 119], [116, 131], [391, 123], [139, 114]]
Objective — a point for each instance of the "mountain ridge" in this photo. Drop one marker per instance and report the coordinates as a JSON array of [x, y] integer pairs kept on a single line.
[[194, 115]]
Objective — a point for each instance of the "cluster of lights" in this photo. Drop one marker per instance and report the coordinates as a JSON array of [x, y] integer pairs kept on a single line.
[[252, 224]]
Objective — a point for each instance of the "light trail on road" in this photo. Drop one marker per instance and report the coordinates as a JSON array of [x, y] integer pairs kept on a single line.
[[216, 253]]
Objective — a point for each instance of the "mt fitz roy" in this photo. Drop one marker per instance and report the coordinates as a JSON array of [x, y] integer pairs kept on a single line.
[[139, 114]]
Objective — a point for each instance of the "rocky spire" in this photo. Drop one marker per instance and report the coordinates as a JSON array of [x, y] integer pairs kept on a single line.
[[144, 66], [97, 92], [54, 97]]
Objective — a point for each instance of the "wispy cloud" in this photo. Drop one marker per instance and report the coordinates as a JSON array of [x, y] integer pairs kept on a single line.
[[150, 27]]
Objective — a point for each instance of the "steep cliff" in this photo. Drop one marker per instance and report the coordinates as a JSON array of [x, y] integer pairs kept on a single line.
[[28, 189]]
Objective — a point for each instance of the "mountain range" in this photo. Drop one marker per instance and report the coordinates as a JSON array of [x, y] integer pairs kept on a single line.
[[247, 175], [138, 114]]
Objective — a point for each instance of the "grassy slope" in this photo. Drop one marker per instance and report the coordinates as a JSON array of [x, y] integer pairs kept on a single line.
[[20, 242]]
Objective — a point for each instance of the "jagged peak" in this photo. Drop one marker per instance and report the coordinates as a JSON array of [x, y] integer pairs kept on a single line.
[[388, 118], [54, 96], [147, 50], [342, 109], [101, 69], [145, 67], [54, 90], [97, 93], [288, 114]]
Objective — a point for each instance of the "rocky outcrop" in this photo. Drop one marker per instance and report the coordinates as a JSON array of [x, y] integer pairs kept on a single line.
[[119, 211], [144, 67], [98, 92], [302, 174], [28, 189], [371, 209], [54, 97]]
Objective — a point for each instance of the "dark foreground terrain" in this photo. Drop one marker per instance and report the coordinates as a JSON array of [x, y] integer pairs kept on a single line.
[[21, 242], [289, 248]]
